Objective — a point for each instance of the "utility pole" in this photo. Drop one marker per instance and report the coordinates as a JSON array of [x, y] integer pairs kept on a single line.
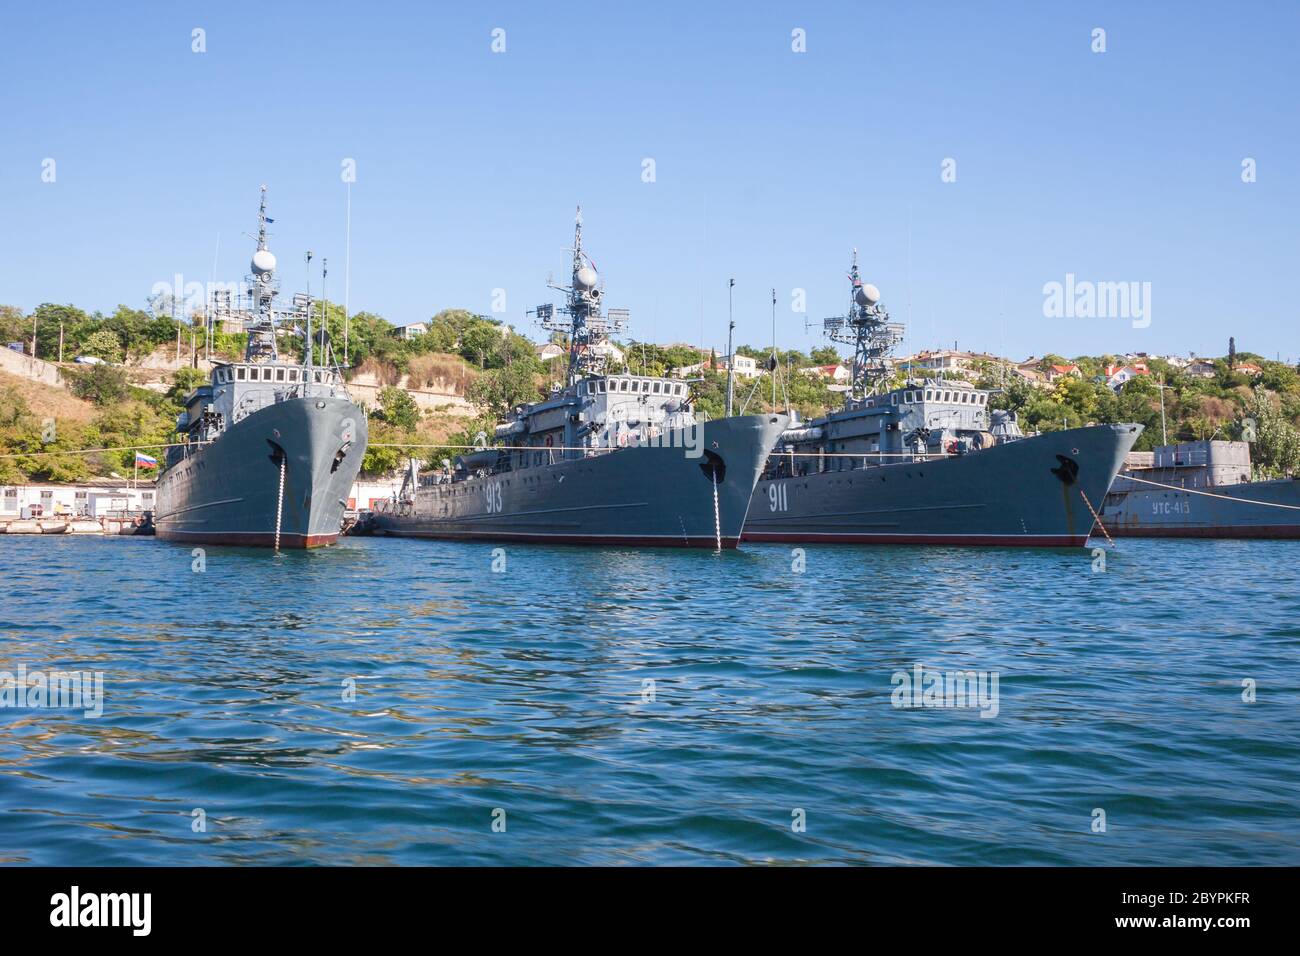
[[33, 335], [731, 328], [775, 362], [1164, 437], [347, 279], [60, 339]]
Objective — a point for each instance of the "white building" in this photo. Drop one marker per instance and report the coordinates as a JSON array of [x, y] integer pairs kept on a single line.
[[746, 367], [92, 498], [835, 374], [412, 330]]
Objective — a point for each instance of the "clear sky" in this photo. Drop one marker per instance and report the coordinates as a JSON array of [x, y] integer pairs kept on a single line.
[[770, 165]]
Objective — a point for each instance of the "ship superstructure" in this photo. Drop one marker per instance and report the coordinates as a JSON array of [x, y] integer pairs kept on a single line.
[[1200, 489], [608, 457], [927, 461], [269, 447]]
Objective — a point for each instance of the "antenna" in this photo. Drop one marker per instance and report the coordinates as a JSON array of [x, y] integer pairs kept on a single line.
[[309, 350], [868, 329], [587, 326], [347, 277], [775, 362]]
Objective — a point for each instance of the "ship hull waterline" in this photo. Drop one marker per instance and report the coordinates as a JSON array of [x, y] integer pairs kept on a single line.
[[1011, 495], [1257, 509], [228, 492], [649, 496]]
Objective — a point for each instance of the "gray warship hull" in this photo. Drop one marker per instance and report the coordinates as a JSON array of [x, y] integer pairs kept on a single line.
[[1012, 494], [1246, 510], [228, 491], [644, 496]]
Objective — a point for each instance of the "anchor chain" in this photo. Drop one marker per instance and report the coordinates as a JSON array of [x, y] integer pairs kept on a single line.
[[279, 504]]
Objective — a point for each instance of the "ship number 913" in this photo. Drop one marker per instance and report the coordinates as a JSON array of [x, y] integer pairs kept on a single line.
[[492, 492]]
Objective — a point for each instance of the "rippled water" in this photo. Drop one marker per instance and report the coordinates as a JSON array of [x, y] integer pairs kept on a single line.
[[525, 691]]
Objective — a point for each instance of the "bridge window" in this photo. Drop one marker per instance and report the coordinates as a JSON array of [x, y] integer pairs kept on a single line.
[[656, 388], [279, 375], [239, 373]]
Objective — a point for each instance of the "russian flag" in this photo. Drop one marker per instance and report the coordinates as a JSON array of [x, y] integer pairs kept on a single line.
[[144, 461]]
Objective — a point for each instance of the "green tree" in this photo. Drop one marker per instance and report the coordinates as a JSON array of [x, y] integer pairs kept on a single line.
[[101, 384], [104, 344], [501, 389], [184, 381], [1276, 450], [398, 408]]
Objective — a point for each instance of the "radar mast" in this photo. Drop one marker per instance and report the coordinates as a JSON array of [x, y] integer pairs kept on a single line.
[[256, 311], [587, 327], [868, 329]]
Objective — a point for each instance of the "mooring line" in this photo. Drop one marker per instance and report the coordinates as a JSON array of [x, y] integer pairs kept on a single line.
[[91, 451], [1208, 494], [1097, 518]]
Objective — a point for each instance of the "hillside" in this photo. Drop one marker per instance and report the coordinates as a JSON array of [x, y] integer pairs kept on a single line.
[[49, 401]]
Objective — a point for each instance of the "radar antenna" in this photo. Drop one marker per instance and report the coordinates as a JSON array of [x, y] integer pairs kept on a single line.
[[868, 329], [586, 326], [254, 310]]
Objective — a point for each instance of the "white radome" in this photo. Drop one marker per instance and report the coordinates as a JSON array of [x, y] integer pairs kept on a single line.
[[868, 294], [587, 277], [263, 262]]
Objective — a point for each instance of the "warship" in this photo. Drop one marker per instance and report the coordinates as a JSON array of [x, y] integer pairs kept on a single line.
[[606, 458], [1199, 489], [268, 449], [928, 462]]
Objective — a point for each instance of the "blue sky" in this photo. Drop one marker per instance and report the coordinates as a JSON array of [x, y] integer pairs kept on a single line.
[[1123, 166]]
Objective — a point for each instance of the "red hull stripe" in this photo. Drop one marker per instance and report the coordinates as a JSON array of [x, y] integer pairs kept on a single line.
[[255, 539], [1001, 540], [1276, 531], [640, 541]]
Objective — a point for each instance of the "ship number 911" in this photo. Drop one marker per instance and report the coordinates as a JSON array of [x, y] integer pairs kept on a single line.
[[492, 492], [777, 497]]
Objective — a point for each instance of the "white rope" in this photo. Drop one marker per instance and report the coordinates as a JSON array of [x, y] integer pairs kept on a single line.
[[1096, 518], [279, 504], [91, 451], [1208, 494], [583, 448]]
